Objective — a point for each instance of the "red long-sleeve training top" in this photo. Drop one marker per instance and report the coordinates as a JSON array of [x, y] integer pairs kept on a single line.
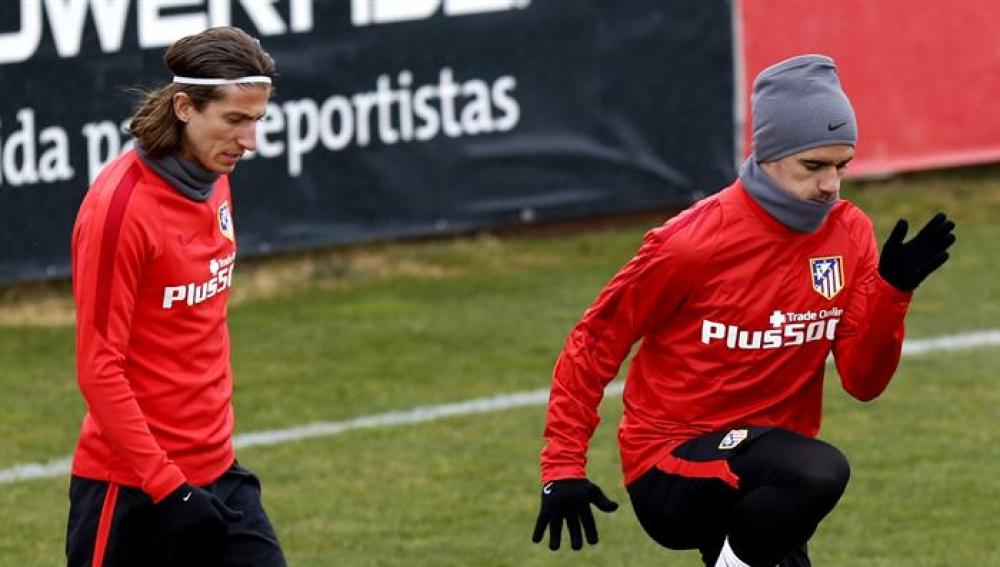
[[151, 275], [737, 315]]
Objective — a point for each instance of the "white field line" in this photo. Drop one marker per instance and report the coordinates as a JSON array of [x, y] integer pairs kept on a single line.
[[964, 341], [424, 414]]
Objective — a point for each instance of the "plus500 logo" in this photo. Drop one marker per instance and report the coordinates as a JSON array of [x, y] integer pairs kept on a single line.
[[791, 334], [193, 293]]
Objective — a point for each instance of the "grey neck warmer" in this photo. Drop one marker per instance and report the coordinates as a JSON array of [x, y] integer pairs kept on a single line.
[[795, 213], [188, 177]]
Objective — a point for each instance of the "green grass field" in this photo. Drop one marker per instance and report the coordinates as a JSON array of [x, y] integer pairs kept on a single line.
[[337, 335]]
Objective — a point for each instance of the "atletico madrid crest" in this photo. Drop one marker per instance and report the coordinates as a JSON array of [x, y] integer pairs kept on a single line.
[[827, 275], [733, 438], [226, 221]]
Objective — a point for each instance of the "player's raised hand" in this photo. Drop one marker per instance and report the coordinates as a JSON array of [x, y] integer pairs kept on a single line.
[[569, 500], [906, 264]]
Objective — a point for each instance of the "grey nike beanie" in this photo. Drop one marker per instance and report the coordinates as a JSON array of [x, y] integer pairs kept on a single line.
[[797, 105]]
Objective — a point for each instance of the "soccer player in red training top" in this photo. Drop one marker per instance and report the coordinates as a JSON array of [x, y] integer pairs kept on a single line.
[[738, 302], [155, 479]]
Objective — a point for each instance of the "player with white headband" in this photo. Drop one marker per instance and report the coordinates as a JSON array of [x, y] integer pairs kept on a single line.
[[155, 479]]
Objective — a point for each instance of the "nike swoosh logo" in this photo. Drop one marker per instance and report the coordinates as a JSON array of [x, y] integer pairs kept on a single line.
[[831, 126], [547, 489], [186, 497]]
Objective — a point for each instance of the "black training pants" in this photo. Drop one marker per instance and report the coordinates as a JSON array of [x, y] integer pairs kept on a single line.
[[787, 484], [132, 534]]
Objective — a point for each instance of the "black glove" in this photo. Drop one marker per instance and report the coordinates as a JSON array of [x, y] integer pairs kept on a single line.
[[905, 265], [570, 500], [196, 513]]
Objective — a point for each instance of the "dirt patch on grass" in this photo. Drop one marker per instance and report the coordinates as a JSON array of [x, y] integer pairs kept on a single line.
[[37, 304]]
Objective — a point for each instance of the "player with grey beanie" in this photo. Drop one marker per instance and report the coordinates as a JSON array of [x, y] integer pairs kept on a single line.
[[718, 437], [797, 105]]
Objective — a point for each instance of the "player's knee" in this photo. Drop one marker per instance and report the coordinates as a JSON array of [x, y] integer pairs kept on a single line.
[[826, 480]]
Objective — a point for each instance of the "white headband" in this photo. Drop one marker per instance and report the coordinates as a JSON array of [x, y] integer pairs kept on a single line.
[[240, 80]]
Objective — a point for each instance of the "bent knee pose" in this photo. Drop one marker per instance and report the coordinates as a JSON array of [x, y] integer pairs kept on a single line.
[[738, 301]]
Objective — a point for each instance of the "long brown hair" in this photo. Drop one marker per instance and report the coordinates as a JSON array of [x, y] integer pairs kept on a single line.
[[216, 53]]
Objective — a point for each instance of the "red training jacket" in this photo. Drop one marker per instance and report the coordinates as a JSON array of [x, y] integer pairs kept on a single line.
[[737, 315], [151, 275]]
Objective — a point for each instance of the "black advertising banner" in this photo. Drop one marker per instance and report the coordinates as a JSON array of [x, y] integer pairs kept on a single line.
[[390, 118]]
